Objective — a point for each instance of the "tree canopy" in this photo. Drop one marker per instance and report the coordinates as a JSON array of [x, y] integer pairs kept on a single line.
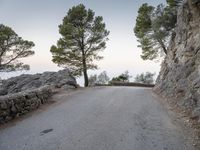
[[124, 77], [82, 36], [154, 27], [102, 78], [92, 80], [146, 78], [12, 48]]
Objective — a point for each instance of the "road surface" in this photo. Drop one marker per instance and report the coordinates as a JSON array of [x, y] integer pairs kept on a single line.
[[105, 118]]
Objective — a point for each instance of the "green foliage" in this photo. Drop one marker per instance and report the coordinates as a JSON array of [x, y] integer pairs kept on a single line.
[[174, 3], [102, 78], [83, 36], [92, 80], [124, 77], [154, 26], [12, 48], [146, 78], [143, 21]]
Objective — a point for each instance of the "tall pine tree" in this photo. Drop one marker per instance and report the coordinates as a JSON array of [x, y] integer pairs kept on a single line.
[[12, 48], [83, 36]]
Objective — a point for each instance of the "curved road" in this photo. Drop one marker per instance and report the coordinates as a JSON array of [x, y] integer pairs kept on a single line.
[[105, 118]]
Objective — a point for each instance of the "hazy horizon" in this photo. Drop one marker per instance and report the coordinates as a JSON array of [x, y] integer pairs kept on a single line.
[[38, 21]]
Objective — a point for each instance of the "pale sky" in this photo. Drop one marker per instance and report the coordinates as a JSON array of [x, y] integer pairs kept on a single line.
[[38, 20]]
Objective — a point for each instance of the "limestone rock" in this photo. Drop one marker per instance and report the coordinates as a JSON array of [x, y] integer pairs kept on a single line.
[[29, 82], [179, 78]]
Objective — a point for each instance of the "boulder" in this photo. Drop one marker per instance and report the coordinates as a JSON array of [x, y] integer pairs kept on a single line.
[[29, 82]]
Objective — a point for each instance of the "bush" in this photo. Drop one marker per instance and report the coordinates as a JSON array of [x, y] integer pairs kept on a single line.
[[146, 78]]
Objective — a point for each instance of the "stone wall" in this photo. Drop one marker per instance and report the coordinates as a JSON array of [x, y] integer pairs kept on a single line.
[[179, 78], [117, 83], [15, 105], [24, 93]]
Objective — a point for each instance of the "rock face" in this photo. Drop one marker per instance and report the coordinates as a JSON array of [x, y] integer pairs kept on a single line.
[[179, 77], [30, 82], [19, 95]]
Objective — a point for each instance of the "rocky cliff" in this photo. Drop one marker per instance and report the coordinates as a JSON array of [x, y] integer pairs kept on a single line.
[[179, 78]]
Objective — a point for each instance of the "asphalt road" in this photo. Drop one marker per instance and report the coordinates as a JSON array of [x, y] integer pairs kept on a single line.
[[106, 118]]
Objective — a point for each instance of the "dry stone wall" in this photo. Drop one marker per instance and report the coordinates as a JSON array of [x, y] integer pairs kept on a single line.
[[15, 105], [22, 94]]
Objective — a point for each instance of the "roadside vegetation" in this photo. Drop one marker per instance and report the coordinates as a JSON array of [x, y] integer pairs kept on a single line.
[[122, 79], [155, 27], [102, 78], [146, 78]]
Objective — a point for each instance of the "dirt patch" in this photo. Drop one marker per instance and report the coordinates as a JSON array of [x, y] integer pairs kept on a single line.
[[181, 117]]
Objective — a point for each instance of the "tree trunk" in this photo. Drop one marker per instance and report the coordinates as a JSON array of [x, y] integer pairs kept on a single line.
[[85, 74], [86, 81], [163, 46]]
